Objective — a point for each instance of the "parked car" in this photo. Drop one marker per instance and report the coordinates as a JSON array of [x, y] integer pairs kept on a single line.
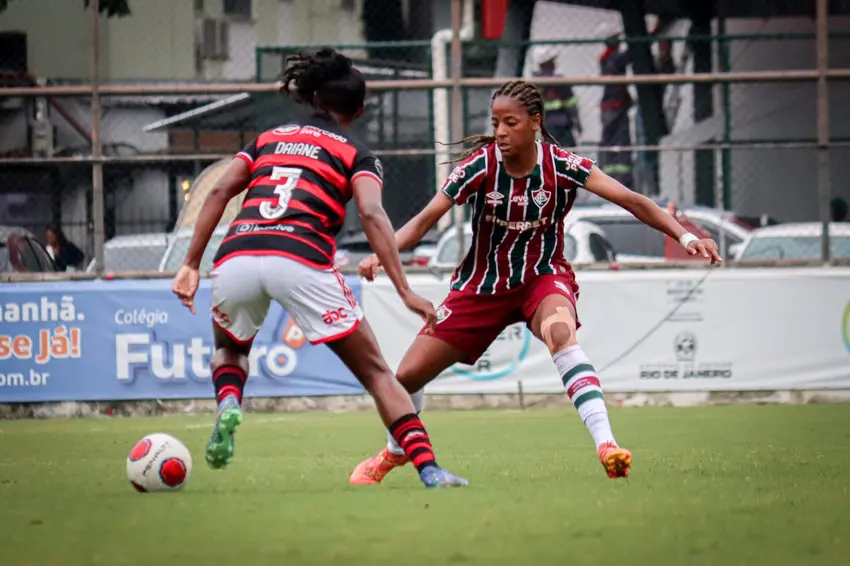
[[796, 241], [422, 255], [353, 248], [630, 237], [584, 242], [351, 251], [21, 252], [179, 245], [134, 252]]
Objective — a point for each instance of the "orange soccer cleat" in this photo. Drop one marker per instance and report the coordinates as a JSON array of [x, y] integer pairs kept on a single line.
[[616, 461], [374, 469]]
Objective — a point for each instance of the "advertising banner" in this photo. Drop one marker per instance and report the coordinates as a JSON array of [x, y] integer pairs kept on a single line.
[[117, 340], [664, 330]]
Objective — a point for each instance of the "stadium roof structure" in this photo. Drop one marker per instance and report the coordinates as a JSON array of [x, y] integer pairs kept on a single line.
[[236, 110], [260, 111]]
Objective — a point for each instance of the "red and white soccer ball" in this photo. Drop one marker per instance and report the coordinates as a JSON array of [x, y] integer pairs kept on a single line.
[[159, 462]]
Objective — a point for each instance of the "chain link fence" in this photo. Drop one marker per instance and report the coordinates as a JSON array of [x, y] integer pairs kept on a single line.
[[729, 155]]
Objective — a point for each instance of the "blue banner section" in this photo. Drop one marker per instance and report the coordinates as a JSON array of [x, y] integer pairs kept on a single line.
[[121, 340]]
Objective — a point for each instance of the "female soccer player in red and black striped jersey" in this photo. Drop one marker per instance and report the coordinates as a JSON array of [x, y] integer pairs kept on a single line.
[[520, 190], [281, 246]]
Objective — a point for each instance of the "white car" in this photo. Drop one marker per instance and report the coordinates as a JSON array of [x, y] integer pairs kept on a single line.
[[583, 243], [633, 239], [796, 241], [176, 252], [134, 252]]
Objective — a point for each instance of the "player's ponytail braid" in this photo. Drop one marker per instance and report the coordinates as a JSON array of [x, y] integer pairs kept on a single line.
[[526, 94]]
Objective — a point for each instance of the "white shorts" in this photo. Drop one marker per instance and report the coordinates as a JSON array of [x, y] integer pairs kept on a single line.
[[318, 300]]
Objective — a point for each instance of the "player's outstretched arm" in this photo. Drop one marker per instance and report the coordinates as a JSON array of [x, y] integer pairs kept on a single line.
[[233, 182], [379, 232], [411, 233], [645, 210]]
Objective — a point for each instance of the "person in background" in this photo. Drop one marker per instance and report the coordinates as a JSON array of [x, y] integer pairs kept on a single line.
[[559, 102], [614, 109], [65, 254], [838, 210]]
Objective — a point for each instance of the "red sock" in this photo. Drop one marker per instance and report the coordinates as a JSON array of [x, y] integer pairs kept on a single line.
[[410, 434], [229, 380]]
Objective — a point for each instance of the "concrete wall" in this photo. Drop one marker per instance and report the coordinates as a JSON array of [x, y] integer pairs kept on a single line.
[[58, 36], [779, 182], [157, 41], [783, 182]]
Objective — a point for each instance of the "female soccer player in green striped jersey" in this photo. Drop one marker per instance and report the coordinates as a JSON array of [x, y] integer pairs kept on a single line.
[[519, 191]]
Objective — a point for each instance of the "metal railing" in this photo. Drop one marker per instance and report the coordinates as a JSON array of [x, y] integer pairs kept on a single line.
[[459, 86]]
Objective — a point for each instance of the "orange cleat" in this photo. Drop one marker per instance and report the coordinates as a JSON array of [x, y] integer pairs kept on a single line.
[[374, 469], [616, 461]]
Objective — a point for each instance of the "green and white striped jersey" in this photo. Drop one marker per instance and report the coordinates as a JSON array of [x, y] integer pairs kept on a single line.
[[517, 224]]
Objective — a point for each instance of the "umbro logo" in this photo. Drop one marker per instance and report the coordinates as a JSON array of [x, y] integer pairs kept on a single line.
[[495, 198]]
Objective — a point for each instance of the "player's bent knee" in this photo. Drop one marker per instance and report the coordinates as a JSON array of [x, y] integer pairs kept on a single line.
[[559, 337], [412, 378], [559, 330], [226, 357]]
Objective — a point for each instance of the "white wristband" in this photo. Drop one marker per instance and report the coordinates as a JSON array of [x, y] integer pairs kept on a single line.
[[686, 238]]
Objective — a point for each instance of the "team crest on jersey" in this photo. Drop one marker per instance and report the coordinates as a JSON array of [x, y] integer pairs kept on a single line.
[[541, 197], [495, 198], [443, 313], [286, 130]]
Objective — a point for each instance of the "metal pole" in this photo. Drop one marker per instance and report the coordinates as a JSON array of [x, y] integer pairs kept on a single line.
[[98, 213], [457, 111], [824, 188], [424, 84], [210, 157], [726, 154]]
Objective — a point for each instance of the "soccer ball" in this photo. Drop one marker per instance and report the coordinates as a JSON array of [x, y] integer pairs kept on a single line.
[[159, 462]]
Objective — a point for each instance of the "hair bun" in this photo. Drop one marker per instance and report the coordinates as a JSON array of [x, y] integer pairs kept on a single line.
[[326, 79], [330, 64], [311, 70]]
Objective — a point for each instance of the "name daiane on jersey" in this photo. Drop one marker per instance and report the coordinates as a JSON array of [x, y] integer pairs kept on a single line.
[[302, 149]]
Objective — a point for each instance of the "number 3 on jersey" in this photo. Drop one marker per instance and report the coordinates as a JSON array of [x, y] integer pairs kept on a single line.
[[290, 175]]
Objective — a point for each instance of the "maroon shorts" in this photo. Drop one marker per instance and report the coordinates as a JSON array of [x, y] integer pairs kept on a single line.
[[471, 322]]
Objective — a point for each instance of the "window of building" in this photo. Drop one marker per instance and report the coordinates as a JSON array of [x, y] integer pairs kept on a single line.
[[238, 8]]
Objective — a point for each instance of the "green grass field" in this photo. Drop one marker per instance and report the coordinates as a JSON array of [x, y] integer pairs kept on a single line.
[[721, 485]]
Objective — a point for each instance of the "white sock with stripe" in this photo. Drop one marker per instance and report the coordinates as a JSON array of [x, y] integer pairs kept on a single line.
[[582, 385], [418, 399]]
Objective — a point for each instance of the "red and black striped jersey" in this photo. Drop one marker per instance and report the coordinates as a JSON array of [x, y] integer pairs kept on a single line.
[[517, 224], [301, 176]]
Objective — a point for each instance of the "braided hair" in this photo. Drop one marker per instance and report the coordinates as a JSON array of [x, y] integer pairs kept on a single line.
[[325, 79], [529, 96]]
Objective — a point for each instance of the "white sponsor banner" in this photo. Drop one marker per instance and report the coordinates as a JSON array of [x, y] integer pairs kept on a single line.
[[736, 329]]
